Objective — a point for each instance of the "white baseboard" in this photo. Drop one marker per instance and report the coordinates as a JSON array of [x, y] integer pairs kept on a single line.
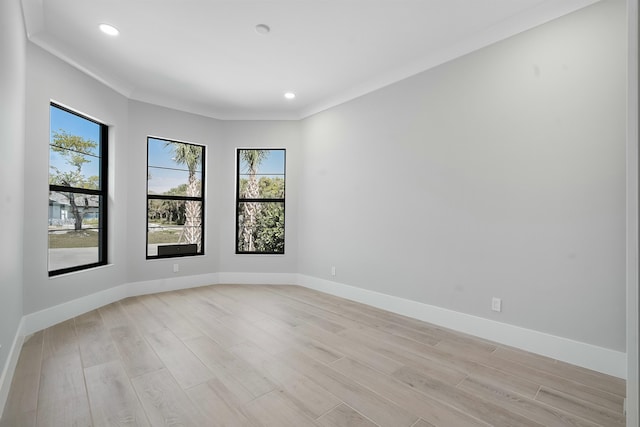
[[10, 365], [34, 322], [258, 278], [50, 316], [170, 284], [576, 353]]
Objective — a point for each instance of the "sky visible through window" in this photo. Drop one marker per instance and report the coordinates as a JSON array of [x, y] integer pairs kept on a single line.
[[273, 164], [164, 172], [160, 156], [77, 193], [72, 124]]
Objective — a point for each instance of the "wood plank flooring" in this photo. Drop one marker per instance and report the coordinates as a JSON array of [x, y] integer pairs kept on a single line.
[[232, 355]]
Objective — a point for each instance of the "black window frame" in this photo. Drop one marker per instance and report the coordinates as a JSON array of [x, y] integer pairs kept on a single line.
[[102, 194], [240, 200], [177, 253]]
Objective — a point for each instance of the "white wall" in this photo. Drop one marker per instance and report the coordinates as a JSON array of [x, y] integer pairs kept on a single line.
[[501, 173], [258, 134], [50, 79], [633, 363], [221, 139], [130, 123], [12, 145], [149, 120]]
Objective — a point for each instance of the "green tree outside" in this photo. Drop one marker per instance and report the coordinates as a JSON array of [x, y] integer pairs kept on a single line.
[[75, 150]]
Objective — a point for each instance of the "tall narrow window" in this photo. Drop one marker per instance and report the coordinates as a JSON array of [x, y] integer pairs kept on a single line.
[[77, 192], [260, 201], [175, 198]]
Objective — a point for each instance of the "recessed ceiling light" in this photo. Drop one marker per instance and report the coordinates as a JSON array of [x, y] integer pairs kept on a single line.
[[289, 95], [262, 29], [109, 29]]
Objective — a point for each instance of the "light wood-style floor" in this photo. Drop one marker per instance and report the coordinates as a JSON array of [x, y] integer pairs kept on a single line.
[[230, 355]]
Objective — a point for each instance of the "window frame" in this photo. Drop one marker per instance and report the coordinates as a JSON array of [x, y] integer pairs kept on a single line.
[[240, 200], [200, 199], [102, 194]]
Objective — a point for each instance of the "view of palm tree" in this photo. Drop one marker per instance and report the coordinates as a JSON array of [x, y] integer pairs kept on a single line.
[[260, 209], [252, 158], [191, 156], [175, 187], [174, 194]]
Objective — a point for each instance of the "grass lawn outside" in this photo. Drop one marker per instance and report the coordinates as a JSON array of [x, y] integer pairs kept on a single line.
[[89, 238], [164, 236], [73, 239]]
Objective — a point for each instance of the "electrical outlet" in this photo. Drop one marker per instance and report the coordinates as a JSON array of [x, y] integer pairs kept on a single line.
[[333, 270], [496, 304], [176, 268]]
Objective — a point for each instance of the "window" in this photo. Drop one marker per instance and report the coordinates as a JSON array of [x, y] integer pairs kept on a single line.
[[77, 192], [260, 201], [175, 198]]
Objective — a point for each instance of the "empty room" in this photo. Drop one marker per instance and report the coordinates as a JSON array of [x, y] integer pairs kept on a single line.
[[401, 213]]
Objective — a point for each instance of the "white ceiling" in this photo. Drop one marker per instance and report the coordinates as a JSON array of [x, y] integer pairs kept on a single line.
[[205, 57]]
